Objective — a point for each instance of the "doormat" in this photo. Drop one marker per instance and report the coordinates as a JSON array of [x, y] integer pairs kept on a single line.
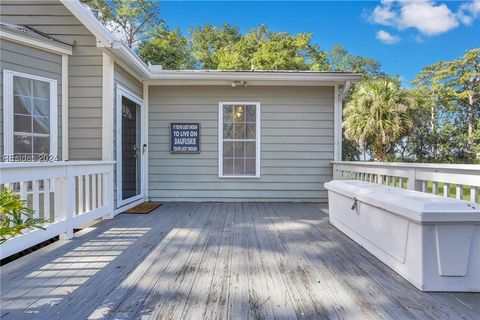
[[144, 208]]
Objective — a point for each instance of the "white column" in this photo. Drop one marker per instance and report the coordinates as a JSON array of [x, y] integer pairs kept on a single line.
[[337, 126], [145, 141], [107, 107], [65, 151]]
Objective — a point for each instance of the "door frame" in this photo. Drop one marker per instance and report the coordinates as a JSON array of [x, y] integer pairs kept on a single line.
[[122, 91]]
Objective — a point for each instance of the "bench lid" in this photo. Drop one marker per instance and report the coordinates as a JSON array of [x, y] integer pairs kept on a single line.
[[413, 205]]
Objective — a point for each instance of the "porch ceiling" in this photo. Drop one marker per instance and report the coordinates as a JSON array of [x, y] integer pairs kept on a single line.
[[217, 260]]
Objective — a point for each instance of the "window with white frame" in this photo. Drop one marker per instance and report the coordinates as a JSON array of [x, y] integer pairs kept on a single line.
[[30, 114], [239, 139]]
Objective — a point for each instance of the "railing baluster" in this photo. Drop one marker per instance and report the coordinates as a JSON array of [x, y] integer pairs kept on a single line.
[[94, 191], [46, 198], [35, 198], [434, 187], [446, 190], [99, 190], [23, 190], [81, 198], [473, 194], [87, 193], [459, 191]]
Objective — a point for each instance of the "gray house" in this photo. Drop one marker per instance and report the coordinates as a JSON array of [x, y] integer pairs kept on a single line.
[[73, 93]]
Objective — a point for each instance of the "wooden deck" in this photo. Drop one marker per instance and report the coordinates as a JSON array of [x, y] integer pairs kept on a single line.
[[217, 261]]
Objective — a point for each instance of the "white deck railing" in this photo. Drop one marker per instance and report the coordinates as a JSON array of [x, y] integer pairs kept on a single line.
[[69, 194], [461, 181]]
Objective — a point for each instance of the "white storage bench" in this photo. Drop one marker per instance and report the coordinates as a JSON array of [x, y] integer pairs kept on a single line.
[[432, 241]]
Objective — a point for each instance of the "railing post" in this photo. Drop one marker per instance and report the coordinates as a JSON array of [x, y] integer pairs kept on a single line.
[[69, 204], [108, 194]]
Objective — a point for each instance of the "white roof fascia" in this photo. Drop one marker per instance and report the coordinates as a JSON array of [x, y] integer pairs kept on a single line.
[[252, 78], [105, 38]]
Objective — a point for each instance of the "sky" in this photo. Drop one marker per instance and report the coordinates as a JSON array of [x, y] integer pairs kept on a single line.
[[403, 36]]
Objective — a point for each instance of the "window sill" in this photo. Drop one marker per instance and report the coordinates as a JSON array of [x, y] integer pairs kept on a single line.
[[239, 177]]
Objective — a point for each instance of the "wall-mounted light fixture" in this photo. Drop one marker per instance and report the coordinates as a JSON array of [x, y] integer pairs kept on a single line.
[[239, 83]]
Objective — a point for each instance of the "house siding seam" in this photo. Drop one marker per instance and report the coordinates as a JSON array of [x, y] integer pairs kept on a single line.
[[296, 144], [21, 58], [84, 69]]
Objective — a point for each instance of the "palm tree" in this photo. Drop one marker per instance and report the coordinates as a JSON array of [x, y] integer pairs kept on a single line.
[[376, 115]]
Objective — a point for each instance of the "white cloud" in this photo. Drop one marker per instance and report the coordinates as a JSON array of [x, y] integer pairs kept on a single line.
[[469, 12], [428, 17], [386, 37]]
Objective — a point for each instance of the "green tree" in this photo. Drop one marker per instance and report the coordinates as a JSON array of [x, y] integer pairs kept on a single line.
[[133, 20], [339, 59], [207, 41], [456, 85], [168, 48], [376, 115]]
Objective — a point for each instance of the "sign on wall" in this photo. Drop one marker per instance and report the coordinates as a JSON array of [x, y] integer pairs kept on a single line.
[[184, 137]]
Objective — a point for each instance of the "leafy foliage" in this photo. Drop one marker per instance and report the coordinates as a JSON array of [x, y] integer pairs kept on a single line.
[[131, 20], [454, 90], [377, 115], [168, 48], [15, 217]]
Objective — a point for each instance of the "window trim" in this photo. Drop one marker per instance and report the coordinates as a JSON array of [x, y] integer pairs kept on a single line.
[[8, 113], [257, 140]]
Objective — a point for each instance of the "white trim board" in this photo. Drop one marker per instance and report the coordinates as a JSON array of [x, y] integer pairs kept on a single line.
[[8, 112], [122, 91], [257, 140], [34, 42]]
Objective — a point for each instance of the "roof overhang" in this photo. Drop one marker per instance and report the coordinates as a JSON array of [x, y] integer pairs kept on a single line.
[[34, 40], [251, 78], [106, 39], [152, 76]]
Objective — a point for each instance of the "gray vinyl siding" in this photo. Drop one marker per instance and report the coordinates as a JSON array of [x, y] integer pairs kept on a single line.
[[296, 144], [124, 78], [21, 58], [84, 69]]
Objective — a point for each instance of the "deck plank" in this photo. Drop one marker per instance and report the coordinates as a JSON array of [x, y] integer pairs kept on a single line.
[[217, 261]]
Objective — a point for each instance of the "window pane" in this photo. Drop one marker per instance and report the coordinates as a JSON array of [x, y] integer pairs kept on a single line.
[[228, 149], [41, 125], [22, 86], [228, 131], [239, 114], [41, 107], [228, 167], [251, 116], [238, 166], [239, 131], [251, 131], [22, 105], [41, 89], [22, 123], [250, 167], [228, 113], [250, 149], [22, 144], [41, 144], [239, 149]]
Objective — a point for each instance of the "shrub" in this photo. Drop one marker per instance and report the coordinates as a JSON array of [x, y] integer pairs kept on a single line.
[[15, 216]]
